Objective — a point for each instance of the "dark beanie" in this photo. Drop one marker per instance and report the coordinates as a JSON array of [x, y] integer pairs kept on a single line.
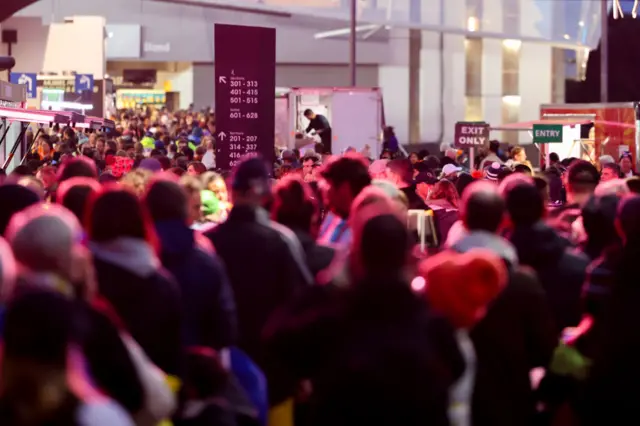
[[14, 198]]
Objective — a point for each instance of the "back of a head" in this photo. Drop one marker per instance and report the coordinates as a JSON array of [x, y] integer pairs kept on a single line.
[[629, 218], [251, 177], [384, 245], [117, 213], [483, 208], [582, 177], [525, 204], [494, 146], [352, 169], [42, 238], [293, 204], [14, 198], [74, 194], [598, 217], [167, 200], [39, 327], [78, 167], [402, 168]]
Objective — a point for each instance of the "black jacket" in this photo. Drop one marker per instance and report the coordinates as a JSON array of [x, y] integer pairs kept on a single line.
[[374, 353], [560, 271], [208, 306], [265, 265], [149, 307]]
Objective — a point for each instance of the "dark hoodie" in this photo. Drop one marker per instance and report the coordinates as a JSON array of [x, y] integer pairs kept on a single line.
[[560, 271], [209, 312]]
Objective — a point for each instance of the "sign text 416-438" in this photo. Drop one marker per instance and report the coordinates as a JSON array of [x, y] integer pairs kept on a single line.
[[245, 59], [471, 135]]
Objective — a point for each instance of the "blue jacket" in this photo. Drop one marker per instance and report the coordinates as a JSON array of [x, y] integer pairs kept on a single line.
[[209, 311]]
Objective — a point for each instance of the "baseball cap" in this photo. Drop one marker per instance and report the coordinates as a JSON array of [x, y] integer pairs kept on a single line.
[[251, 173], [449, 169]]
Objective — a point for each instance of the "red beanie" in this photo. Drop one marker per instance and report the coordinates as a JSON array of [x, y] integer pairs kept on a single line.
[[462, 285]]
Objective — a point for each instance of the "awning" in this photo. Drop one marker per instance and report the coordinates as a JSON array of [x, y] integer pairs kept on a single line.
[[96, 123], [528, 125], [34, 116]]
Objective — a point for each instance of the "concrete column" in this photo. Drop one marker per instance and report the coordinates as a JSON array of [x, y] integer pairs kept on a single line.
[[492, 65], [394, 81], [536, 76], [442, 72]]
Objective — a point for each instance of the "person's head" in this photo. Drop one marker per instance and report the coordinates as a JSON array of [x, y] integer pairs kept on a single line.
[[525, 204], [522, 168], [78, 167], [392, 191], [554, 158], [47, 239], [383, 246], [20, 171], [193, 187], [494, 146], [294, 206], [633, 183], [518, 154], [74, 194], [215, 183], [47, 176], [610, 171], [167, 200], [136, 180], [118, 213], [445, 190], [582, 178], [626, 163], [309, 114], [606, 159], [482, 207], [479, 275], [413, 158], [400, 172], [14, 198], [39, 331], [100, 145], [342, 181], [309, 162], [628, 219], [250, 183], [196, 168], [598, 220]]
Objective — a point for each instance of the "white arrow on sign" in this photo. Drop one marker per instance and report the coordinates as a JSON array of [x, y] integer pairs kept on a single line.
[[222, 79], [222, 135], [25, 79], [85, 81]]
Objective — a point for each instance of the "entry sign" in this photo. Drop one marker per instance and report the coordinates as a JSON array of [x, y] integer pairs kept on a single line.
[[28, 79], [547, 133], [245, 80], [471, 135], [83, 82]]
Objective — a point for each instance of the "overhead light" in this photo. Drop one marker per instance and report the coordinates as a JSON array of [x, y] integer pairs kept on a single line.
[[70, 105], [512, 44], [511, 100], [567, 36], [472, 24], [581, 23]]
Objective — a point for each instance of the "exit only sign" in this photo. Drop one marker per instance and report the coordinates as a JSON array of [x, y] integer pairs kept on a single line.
[[547, 133]]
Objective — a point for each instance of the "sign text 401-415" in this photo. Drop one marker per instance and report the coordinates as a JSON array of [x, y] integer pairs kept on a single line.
[[245, 84]]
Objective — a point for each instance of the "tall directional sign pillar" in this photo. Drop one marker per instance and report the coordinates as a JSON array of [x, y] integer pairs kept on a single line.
[[245, 78]]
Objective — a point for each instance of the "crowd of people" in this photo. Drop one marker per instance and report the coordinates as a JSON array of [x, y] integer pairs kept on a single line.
[[141, 285]]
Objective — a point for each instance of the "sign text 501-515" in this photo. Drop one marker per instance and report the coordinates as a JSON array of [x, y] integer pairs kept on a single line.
[[245, 87]]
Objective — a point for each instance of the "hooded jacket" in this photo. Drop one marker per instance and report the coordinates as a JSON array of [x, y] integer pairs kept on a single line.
[[144, 296], [560, 271]]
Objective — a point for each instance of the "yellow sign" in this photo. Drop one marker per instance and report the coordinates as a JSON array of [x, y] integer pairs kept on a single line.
[[168, 86]]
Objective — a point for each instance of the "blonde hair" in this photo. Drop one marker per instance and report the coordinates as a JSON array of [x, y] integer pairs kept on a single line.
[[191, 183], [137, 180]]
